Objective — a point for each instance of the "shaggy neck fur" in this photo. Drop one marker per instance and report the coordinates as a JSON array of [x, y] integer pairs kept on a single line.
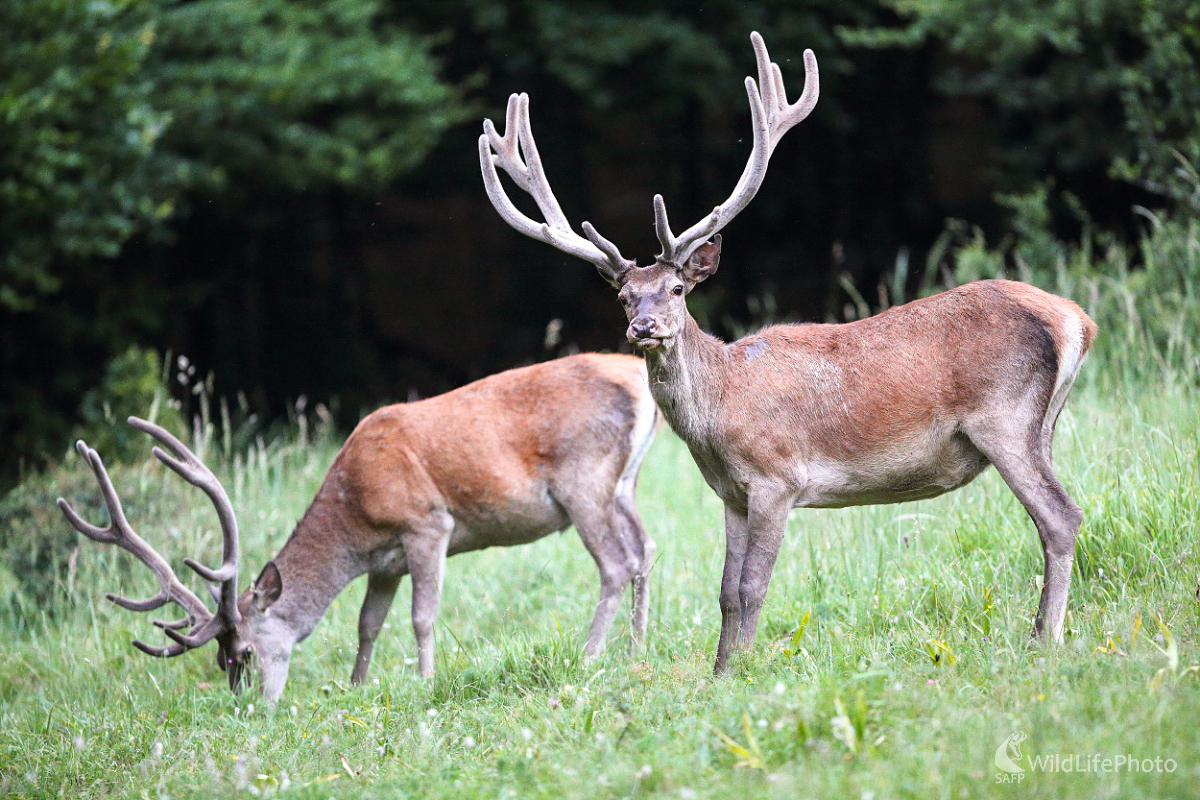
[[685, 384], [315, 565]]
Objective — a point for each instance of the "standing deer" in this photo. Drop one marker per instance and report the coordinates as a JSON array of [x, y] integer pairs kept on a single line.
[[909, 404], [502, 461]]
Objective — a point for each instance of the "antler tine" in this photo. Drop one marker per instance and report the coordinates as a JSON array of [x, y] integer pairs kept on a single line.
[[116, 514], [506, 150], [608, 248], [771, 117], [185, 463], [199, 635], [122, 534], [507, 146], [169, 651], [522, 142], [780, 116]]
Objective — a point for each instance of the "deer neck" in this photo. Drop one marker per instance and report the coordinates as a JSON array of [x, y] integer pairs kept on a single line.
[[685, 380], [315, 565]]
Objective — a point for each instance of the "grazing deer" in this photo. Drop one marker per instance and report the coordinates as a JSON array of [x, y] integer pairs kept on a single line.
[[909, 404], [502, 461]]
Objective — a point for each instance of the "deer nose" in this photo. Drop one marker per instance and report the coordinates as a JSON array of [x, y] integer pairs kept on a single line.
[[643, 327]]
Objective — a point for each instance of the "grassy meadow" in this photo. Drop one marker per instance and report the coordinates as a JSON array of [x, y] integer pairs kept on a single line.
[[893, 657]]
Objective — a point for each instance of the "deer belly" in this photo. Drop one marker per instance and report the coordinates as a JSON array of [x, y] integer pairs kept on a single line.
[[514, 524], [893, 477]]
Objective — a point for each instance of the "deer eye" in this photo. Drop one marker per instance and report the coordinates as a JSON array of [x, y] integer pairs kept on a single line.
[[677, 290], [249, 651]]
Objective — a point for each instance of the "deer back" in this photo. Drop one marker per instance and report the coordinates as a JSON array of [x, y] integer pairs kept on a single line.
[[876, 396], [498, 456]]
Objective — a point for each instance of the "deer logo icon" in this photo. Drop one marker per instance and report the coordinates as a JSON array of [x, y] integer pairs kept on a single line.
[[1009, 753]]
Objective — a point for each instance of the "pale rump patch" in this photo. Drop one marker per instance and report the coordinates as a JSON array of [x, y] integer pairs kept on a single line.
[[640, 438], [1072, 350], [1070, 356]]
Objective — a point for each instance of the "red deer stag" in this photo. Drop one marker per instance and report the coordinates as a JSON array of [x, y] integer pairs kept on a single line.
[[503, 461], [909, 404]]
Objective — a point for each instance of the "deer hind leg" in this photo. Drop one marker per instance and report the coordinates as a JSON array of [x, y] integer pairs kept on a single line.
[[425, 553], [1023, 461], [644, 548], [600, 527], [381, 589], [634, 533]]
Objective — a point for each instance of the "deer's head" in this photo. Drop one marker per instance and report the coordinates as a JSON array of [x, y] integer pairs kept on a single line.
[[251, 642], [653, 296], [243, 626]]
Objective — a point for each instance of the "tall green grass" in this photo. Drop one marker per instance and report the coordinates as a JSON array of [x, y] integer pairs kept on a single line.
[[893, 656]]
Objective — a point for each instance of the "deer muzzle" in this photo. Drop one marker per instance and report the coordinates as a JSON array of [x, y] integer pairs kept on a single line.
[[645, 332]]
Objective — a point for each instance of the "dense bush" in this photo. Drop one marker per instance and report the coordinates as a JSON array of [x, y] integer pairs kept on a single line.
[[113, 109], [1077, 84], [37, 547], [116, 117]]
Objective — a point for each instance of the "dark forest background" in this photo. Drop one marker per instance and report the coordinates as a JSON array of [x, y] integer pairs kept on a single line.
[[287, 193]]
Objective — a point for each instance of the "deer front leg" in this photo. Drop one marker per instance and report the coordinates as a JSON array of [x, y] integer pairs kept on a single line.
[[752, 541], [381, 589], [736, 538], [425, 553], [767, 524]]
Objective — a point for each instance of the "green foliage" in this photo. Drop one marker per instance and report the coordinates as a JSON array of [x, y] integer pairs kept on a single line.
[[79, 133], [1099, 82], [118, 116], [663, 59], [297, 95], [113, 110], [1156, 308], [36, 546], [134, 384]]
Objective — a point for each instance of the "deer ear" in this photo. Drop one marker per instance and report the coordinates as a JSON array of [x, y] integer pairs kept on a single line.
[[703, 262], [268, 587]]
